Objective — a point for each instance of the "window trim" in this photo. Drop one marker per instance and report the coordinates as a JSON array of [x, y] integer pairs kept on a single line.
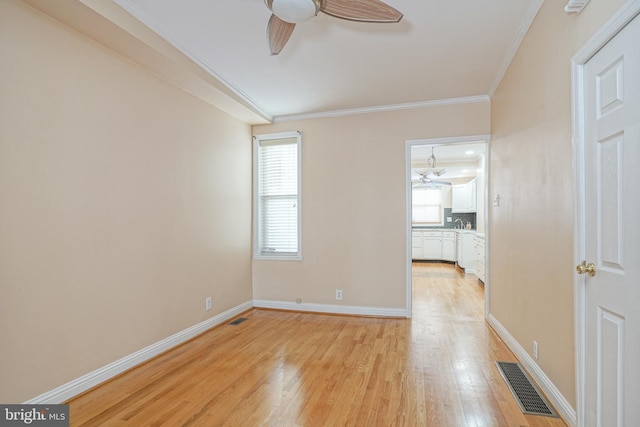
[[257, 139]]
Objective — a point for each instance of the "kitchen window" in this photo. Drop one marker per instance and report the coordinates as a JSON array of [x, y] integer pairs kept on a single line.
[[276, 203], [427, 206]]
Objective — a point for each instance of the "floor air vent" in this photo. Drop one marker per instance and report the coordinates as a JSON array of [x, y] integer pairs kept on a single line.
[[238, 321], [524, 390]]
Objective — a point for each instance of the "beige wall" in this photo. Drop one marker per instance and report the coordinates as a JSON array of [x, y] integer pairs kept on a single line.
[[124, 203], [353, 205], [531, 232]]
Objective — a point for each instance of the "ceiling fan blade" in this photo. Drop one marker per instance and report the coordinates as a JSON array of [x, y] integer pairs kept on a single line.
[[440, 182], [278, 33], [361, 10]]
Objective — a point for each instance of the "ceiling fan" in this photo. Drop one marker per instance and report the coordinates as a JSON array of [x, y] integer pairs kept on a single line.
[[426, 177], [287, 13], [424, 181]]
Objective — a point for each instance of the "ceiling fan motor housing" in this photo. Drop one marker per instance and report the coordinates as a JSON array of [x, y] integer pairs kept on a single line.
[[294, 11]]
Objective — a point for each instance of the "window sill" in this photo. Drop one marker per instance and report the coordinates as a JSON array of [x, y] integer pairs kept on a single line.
[[277, 258]]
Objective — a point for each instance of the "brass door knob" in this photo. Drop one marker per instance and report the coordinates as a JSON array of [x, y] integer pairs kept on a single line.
[[586, 268]]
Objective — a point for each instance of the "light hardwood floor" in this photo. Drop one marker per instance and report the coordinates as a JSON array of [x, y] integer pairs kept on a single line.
[[296, 369]]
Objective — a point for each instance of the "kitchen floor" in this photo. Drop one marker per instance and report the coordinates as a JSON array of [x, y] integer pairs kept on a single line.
[[443, 290]]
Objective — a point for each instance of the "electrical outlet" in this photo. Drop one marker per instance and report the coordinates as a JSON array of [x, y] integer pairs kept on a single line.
[[208, 304], [535, 350], [298, 300], [339, 294]]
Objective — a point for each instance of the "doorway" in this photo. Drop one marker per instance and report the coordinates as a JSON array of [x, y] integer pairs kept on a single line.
[[441, 163]]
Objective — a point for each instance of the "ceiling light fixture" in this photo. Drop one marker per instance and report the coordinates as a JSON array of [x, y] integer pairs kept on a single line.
[[431, 165], [426, 177], [294, 11], [286, 14]]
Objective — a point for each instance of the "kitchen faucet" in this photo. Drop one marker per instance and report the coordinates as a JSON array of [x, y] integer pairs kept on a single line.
[[461, 222]]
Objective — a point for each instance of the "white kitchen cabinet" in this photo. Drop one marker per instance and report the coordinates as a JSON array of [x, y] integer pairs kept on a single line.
[[449, 245], [479, 244], [463, 197], [426, 245], [466, 250], [416, 245], [432, 245], [438, 245]]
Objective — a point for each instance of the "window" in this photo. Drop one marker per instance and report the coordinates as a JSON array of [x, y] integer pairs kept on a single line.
[[276, 204], [427, 206]]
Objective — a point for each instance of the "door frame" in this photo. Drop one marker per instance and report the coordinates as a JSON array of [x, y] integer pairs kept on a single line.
[[446, 141], [624, 16]]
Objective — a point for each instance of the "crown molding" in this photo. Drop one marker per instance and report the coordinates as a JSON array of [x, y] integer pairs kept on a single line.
[[110, 24], [515, 43], [226, 85], [381, 108]]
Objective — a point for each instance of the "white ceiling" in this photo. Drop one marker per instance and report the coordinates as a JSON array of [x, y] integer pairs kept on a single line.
[[460, 160], [441, 50]]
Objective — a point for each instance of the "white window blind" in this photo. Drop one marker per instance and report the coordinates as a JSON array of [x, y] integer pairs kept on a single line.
[[427, 206], [277, 202]]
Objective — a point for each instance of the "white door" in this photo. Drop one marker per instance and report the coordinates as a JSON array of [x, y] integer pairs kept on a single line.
[[612, 232]]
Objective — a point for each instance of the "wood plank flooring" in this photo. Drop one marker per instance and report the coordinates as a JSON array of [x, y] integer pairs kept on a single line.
[[299, 369]]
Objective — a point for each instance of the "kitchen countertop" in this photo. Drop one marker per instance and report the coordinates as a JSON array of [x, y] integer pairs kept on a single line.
[[459, 230]]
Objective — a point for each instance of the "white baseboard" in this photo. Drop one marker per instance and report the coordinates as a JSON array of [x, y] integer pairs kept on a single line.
[[73, 388], [566, 411], [332, 309]]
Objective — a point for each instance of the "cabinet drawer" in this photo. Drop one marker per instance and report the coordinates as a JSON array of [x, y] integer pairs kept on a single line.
[[432, 233]]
